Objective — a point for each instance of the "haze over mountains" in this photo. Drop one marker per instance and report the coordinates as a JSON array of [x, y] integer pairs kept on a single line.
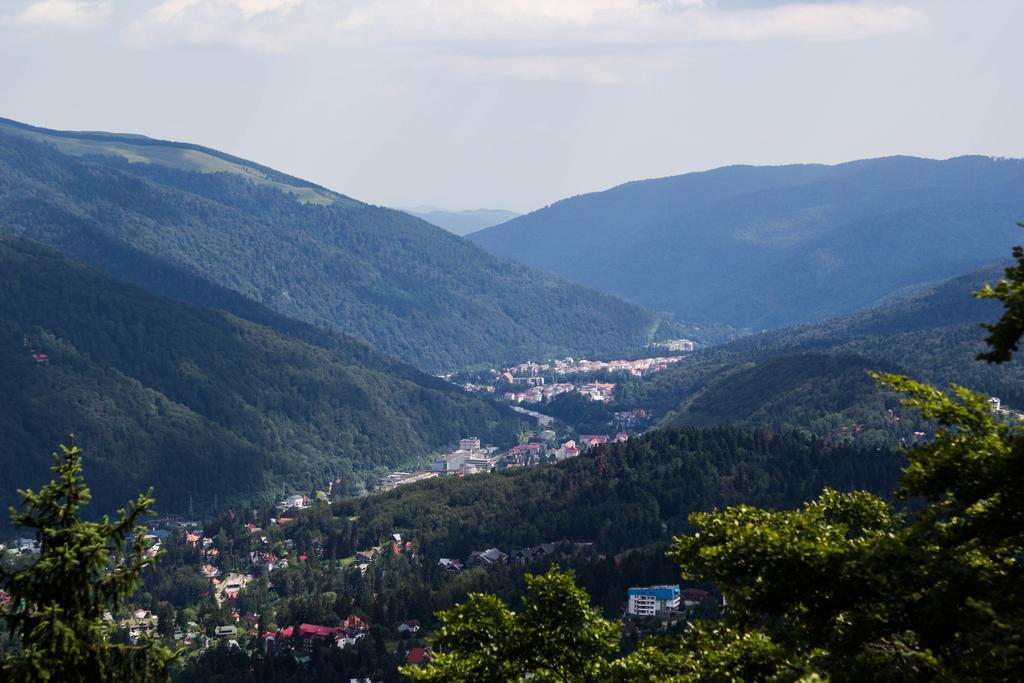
[[191, 222], [462, 222], [763, 247]]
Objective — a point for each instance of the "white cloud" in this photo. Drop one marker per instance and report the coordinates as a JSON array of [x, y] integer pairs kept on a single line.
[[550, 40], [64, 14]]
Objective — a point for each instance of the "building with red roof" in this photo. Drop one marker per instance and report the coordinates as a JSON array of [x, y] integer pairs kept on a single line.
[[418, 656]]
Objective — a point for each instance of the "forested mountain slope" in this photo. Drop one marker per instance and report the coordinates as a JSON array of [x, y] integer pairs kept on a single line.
[[764, 247], [196, 401], [636, 493], [176, 218], [814, 377]]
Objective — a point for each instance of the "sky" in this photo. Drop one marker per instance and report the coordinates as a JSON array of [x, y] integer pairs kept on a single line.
[[518, 103]]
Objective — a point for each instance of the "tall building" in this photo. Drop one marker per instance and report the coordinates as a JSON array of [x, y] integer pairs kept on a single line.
[[649, 601], [469, 444]]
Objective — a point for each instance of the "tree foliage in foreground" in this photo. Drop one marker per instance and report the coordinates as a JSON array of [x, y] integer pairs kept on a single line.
[[848, 587], [556, 636], [84, 568]]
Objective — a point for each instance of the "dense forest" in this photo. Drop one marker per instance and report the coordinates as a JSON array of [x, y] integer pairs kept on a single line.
[[618, 508], [189, 222], [620, 497], [200, 403], [764, 247], [814, 377]]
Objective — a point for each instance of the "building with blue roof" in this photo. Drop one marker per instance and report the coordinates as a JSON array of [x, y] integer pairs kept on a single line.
[[649, 601]]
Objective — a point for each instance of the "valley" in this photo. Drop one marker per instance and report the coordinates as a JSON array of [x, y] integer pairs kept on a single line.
[[277, 361]]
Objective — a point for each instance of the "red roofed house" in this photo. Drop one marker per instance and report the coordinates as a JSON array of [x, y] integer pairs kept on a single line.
[[354, 622], [311, 634], [418, 656]]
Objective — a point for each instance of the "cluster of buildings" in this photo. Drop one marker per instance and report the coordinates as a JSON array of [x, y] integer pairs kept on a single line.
[[473, 458], [996, 405], [20, 547], [395, 545], [532, 382], [676, 345], [540, 393], [141, 624], [310, 636], [630, 419], [524, 372], [493, 557]]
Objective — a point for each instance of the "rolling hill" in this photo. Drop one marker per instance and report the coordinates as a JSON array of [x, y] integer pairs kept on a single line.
[[178, 218], [766, 247], [198, 402], [813, 377]]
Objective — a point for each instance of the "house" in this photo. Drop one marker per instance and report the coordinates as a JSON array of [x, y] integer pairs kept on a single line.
[[649, 601], [354, 623], [345, 638], [568, 450], [489, 557], [28, 546], [231, 586], [409, 626], [396, 479], [368, 555], [588, 440], [142, 624], [453, 566], [450, 462], [226, 631], [526, 554], [297, 502], [470, 443], [310, 635], [418, 656]]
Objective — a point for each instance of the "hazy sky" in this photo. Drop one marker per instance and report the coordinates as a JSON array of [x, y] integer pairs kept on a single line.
[[514, 104]]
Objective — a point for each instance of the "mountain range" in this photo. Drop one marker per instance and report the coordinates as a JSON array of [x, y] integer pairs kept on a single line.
[[203, 226], [814, 377], [198, 402], [765, 247]]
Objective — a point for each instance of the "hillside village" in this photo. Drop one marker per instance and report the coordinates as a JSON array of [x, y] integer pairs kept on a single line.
[[537, 384], [531, 382]]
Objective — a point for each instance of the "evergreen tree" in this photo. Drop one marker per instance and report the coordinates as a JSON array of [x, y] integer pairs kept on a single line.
[[84, 569]]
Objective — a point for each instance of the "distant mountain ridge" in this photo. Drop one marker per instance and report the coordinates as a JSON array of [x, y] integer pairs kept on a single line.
[[765, 247], [186, 221], [814, 377], [463, 222], [197, 402]]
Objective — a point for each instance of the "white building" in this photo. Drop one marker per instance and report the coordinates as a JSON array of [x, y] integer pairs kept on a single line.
[[470, 443], [649, 601]]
